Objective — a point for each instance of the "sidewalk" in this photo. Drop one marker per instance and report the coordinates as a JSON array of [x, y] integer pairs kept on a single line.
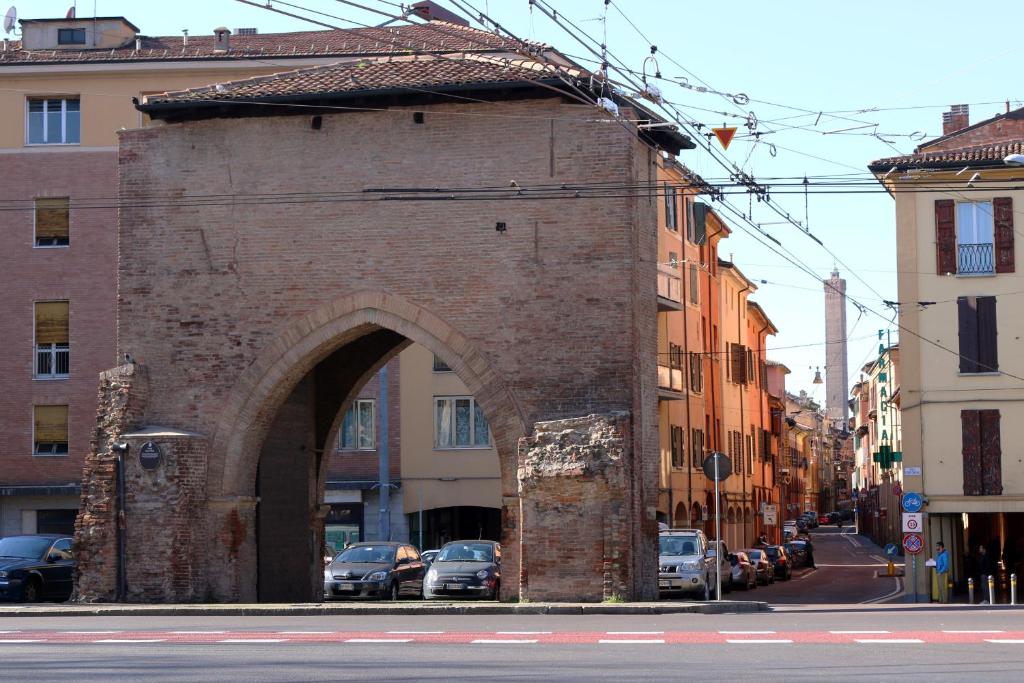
[[378, 608]]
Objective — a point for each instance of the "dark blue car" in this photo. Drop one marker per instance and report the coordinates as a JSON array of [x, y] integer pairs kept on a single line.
[[34, 568]]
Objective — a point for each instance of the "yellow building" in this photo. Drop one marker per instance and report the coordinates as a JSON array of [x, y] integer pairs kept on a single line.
[[961, 361]]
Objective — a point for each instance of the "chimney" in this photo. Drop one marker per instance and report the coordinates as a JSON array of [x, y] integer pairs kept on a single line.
[[220, 39], [957, 118], [184, 37]]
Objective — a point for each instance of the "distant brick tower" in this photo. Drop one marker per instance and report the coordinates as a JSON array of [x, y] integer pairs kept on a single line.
[[837, 391]]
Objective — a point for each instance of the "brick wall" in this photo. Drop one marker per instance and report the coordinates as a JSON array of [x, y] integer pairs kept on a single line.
[[84, 275], [554, 318]]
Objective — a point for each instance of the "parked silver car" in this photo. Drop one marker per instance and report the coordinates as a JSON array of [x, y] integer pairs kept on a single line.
[[683, 564]]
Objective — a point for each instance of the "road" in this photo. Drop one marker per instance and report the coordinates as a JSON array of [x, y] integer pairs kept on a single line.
[[847, 564], [894, 643]]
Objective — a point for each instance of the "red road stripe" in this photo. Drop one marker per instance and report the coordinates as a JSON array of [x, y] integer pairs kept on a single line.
[[556, 638]]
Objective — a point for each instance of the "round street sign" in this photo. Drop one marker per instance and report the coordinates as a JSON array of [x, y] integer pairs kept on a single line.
[[891, 550], [724, 466], [913, 543], [912, 501]]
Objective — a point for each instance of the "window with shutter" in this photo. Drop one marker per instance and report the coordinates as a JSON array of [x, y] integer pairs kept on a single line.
[[50, 430], [945, 236], [696, 448], [694, 286], [991, 453], [52, 222], [982, 453], [678, 454], [700, 217], [738, 363], [671, 222], [978, 334], [52, 350], [696, 372], [1002, 209]]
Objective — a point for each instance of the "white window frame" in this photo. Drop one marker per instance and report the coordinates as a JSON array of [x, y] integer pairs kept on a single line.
[[63, 120], [980, 207], [357, 406], [54, 350], [438, 446]]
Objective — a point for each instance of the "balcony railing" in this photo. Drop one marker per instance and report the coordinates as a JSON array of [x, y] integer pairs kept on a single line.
[[670, 378], [670, 291], [53, 361], [975, 259]]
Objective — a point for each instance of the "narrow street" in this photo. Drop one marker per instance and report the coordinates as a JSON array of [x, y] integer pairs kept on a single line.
[[846, 563]]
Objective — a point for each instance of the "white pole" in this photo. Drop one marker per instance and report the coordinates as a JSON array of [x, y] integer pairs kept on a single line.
[[718, 534]]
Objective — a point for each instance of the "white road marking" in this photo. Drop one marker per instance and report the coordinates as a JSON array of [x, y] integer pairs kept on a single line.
[[761, 641], [898, 641], [634, 633], [496, 641], [1005, 641], [91, 633], [10, 631], [858, 632], [301, 633], [896, 591], [15, 640], [739, 633], [129, 640], [253, 640], [379, 640], [974, 631], [632, 641], [399, 633], [523, 633]]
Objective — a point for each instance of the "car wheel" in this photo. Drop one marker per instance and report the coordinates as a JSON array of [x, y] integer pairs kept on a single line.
[[393, 593], [31, 591]]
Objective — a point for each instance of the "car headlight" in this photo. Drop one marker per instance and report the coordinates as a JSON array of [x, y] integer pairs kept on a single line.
[[691, 565], [3, 575], [377, 576], [431, 575], [482, 574]]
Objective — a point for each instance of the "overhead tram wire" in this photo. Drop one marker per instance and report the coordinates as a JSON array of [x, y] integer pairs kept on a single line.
[[545, 8], [792, 260]]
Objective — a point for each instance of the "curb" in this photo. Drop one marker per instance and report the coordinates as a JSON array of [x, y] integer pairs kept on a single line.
[[315, 609]]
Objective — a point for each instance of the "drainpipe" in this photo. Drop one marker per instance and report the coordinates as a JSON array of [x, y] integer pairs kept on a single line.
[[384, 473], [760, 409], [689, 377], [743, 399], [122, 564]]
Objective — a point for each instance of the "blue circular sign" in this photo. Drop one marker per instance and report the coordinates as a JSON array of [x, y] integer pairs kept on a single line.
[[891, 550], [912, 501]]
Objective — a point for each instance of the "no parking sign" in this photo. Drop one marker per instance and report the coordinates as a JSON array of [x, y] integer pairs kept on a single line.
[[913, 543]]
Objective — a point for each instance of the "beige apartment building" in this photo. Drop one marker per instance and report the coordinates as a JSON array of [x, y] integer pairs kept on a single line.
[[961, 361], [68, 89]]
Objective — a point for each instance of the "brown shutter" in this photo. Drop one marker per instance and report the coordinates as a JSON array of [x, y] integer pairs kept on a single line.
[[52, 218], [968, 317], [1002, 210], [988, 357], [971, 443], [991, 453], [52, 322], [945, 236], [51, 424]]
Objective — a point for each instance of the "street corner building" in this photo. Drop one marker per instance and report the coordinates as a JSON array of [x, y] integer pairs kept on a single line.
[[281, 238], [961, 386]]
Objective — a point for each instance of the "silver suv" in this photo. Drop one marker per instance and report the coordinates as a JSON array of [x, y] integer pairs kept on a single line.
[[683, 565]]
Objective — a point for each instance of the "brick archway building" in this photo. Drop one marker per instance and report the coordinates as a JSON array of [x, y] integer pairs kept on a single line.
[[272, 258]]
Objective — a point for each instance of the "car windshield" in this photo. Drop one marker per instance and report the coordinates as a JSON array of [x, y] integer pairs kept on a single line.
[[24, 547], [677, 545], [382, 554], [798, 545], [754, 554], [466, 552], [773, 553]]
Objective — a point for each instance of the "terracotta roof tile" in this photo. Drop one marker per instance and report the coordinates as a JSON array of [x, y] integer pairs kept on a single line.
[[366, 75], [989, 154], [439, 37]]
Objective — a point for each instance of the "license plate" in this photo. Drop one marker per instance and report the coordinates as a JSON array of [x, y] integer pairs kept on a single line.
[[346, 586], [664, 584], [454, 586]]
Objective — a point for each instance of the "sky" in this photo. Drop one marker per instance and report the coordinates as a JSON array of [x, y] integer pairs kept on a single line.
[[897, 65]]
